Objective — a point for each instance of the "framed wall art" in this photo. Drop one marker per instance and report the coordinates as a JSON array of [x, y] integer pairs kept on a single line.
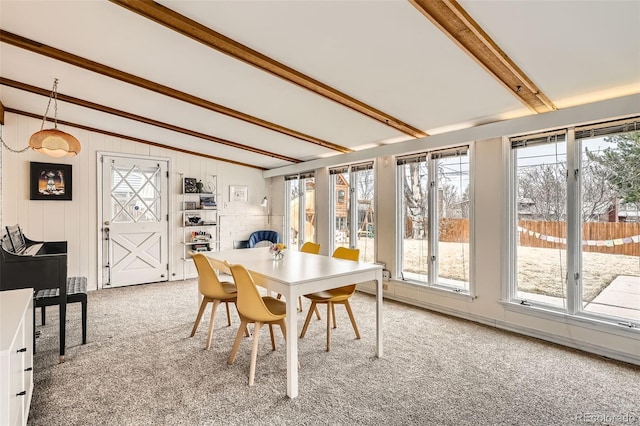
[[51, 181], [190, 185], [238, 193]]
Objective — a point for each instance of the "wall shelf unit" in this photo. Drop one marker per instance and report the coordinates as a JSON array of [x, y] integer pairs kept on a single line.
[[199, 218]]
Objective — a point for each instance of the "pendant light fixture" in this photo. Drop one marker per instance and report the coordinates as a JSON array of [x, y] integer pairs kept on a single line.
[[54, 142]]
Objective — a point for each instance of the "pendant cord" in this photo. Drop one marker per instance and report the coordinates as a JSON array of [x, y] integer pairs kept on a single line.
[[54, 96], [17, 151]]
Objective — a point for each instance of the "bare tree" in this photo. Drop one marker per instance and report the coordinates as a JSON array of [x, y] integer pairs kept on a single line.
[[415, 199], [448, 200], [365, 185], [598, 194], [545, 185]]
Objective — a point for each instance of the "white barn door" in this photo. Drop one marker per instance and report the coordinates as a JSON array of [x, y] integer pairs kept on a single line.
[[134, 221]]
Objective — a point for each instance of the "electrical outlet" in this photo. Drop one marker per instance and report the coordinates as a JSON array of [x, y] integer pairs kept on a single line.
[[385, 286]]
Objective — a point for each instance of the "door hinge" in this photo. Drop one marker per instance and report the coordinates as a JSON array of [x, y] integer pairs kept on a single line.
[[167, 173], [167, 217], [167, 266]]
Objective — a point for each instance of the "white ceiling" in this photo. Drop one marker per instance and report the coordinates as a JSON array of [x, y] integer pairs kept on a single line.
[[385, 54]]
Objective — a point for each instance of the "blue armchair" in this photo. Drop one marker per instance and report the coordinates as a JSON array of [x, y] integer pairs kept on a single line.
[[270, 236]]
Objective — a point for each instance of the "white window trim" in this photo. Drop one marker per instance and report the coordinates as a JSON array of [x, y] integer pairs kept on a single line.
[[573, 314], [432, 273], [590, 322]]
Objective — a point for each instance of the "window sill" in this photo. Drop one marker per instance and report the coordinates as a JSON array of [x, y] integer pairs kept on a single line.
[[394, 285], [579, 320], [437, 289]]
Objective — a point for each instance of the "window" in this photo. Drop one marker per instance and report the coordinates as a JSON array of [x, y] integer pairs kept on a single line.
[[541, 201], [353, 208], [300, 220], [435, 211], [576, 229]]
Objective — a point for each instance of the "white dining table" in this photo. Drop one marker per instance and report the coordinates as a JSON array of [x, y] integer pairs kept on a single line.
[[298, 274]]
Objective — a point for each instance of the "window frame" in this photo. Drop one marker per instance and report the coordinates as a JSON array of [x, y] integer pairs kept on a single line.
[[351, 170], [574, 313], [301, 180], [431, 157]]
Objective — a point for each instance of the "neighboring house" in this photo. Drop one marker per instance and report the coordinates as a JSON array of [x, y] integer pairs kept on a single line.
[[624, 212], [342, 203]]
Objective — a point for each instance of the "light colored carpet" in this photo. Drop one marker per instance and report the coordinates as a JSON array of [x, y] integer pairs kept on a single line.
[[139, 367]]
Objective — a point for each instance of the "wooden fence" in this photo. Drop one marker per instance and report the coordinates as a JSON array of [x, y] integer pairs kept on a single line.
[[601, 237]]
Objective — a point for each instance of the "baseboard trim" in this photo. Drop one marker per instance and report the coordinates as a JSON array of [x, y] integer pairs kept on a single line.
[[548, 337]]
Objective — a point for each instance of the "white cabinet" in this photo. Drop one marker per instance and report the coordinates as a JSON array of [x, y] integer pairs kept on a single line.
[[199, 216], [16, 355]]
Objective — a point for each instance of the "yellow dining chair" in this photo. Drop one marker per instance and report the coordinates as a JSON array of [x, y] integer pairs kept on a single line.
[[223, 272], [312, 248], [213, 291], [257, 309], [334, 296]]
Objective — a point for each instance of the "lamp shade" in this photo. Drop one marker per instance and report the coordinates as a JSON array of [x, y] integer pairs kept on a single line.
[[55, 143]]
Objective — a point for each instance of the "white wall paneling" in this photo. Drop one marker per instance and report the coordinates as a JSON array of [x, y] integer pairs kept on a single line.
[[76, 221]]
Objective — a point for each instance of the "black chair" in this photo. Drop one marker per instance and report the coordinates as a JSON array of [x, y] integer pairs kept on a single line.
[[76, 292], [271, 237], [241, 244]]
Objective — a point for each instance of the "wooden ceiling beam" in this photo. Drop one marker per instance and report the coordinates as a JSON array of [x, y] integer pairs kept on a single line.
[[134, 139], [96, 67], [102, 108], [460, 27], [194, 30]]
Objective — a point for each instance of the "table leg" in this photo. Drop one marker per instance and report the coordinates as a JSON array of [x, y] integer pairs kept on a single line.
[[379, 351], [292, 345], [63, 312], [63, 322]]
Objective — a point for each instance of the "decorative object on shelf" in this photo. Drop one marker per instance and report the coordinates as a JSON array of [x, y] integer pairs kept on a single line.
[[50, 181], [192, 220], [264, 202], [200, 236], [211, 185], [200, 247], [207, 203], [199, 186], [238, 193], [277, 250], [190, 205], [190, 186]]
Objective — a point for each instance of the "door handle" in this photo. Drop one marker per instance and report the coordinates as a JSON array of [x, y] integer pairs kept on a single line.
[[108, 265]]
